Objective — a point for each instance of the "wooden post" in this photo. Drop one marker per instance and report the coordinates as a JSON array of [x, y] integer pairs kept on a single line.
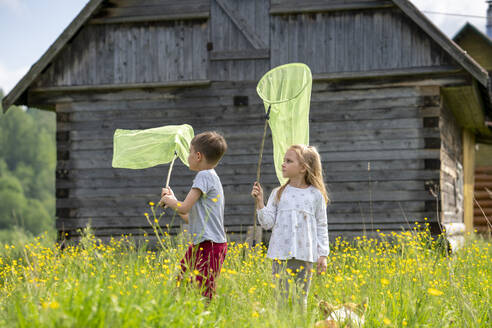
[[468, 178]]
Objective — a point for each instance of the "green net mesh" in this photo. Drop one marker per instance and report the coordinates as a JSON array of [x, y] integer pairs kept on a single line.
[[139, 149], [287, 89]]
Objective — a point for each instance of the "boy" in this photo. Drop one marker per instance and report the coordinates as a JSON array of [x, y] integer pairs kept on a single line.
[[203, 209]]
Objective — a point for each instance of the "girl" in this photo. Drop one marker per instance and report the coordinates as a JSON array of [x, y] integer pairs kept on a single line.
[[296, 213]]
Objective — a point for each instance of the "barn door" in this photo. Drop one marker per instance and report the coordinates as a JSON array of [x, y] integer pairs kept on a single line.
[[239, 32]]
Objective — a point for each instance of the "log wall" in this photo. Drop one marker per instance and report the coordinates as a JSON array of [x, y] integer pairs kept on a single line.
[[386, 128]]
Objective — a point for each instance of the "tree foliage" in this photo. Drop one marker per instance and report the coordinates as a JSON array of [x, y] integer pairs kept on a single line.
[[27, 169]]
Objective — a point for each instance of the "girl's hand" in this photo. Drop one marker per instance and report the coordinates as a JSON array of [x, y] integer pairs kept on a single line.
[[321, 267], [257, 194]]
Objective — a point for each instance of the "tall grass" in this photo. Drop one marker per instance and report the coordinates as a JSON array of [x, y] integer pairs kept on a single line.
[[407, 278]]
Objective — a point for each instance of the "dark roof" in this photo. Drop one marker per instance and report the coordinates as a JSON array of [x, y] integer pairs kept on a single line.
[[469, 28], [18, 94]]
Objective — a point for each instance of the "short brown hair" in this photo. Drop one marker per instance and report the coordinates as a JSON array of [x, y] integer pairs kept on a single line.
[[211, 144]]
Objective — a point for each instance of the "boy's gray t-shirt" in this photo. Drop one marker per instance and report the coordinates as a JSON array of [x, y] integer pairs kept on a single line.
[[207, 214]]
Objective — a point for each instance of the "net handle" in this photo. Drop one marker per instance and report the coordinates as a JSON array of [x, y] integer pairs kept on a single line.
[[171, 169]]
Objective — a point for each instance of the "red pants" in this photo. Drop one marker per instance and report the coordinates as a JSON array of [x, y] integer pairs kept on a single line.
[[207, 258]]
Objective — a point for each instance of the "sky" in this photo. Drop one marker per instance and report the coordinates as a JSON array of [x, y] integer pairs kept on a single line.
[[29, 27]]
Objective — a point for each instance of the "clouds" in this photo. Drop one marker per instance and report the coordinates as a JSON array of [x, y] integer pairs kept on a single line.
[[470, 7], [450, 24], [16, 6], [27, 29], [10, 76]]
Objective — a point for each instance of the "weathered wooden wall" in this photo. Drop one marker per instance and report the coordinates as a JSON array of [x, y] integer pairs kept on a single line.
[[483, 189], [216, 49], [239, 40], [387, 127], [380, 157], [353, 41], [132, 53], [451, 184], [482, 211]]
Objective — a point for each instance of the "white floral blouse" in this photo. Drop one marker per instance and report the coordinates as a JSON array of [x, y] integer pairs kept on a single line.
[[298, 222]]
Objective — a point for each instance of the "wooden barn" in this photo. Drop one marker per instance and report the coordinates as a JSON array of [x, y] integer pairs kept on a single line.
[[479, 46], [396, 106]]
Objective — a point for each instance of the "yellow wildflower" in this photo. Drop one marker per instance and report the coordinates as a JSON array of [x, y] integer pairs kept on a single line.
[[51, 305], [434, 292]]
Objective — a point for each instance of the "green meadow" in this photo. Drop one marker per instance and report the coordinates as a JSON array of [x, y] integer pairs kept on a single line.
[[407, 278]]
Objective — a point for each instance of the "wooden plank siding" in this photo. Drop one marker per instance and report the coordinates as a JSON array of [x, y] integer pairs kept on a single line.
[[239, 54], [384, 126], [131, 53], [482, 220], [353, 41], [469, 156], [384, 40]]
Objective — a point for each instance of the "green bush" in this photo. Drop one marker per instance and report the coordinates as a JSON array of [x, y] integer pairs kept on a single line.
[[27, 169]]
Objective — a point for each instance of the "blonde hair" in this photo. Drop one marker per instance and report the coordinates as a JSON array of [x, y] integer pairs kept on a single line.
[[309, 157]]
